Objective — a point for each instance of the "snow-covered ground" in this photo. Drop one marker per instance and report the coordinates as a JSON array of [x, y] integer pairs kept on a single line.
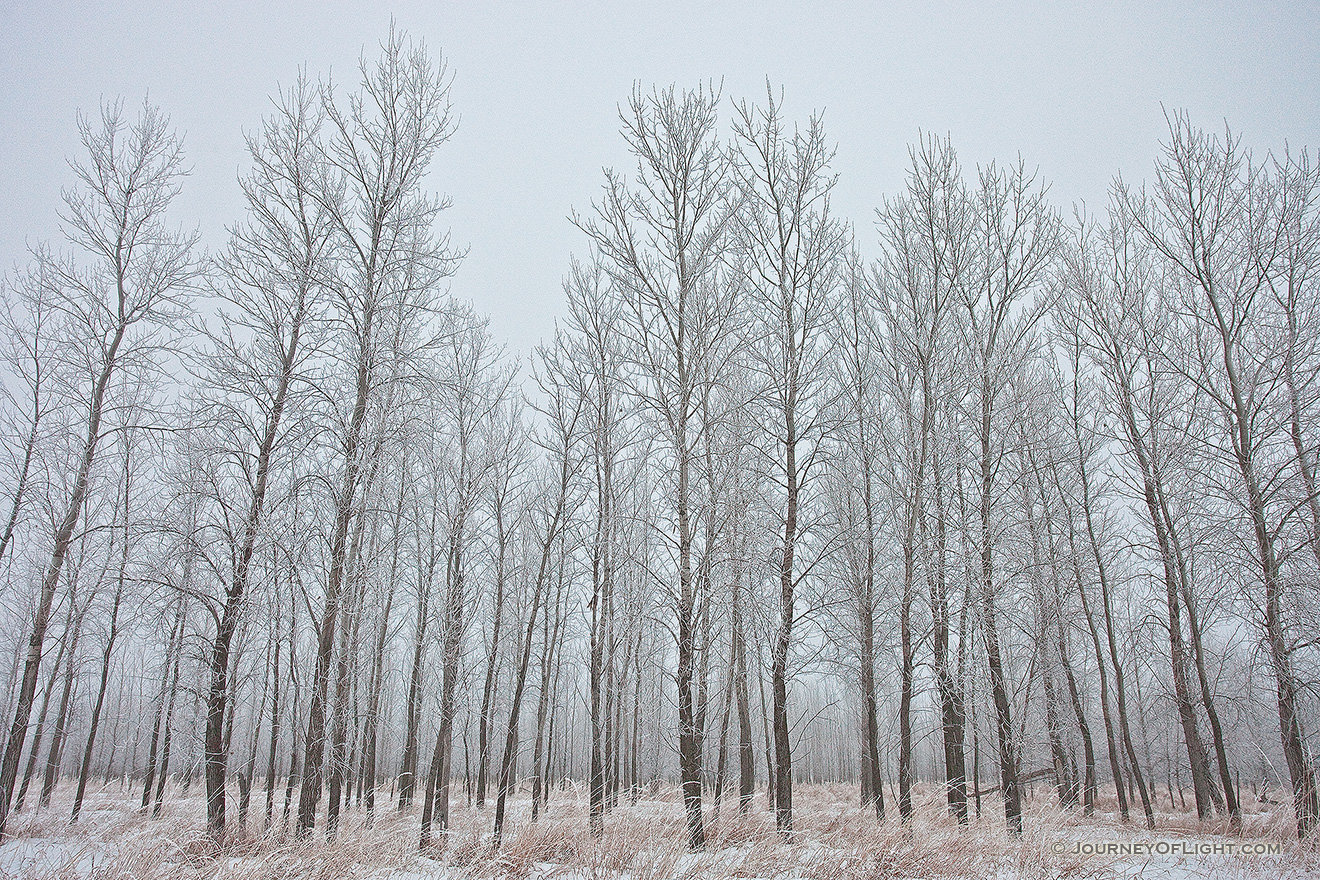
[[835, 840]]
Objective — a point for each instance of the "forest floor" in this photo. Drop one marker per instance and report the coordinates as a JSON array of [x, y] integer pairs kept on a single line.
[[835, 840]]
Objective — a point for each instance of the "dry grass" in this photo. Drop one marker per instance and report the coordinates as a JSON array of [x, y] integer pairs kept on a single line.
[[834, 840]]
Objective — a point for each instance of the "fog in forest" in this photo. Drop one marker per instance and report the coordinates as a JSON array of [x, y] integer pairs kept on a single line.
[[950, 538]]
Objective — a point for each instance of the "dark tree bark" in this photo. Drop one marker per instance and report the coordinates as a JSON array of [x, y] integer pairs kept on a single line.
[[275, 717], [85, 771], [492, 658], [55, 754], [565, 426], [128, 185], [952, 712]]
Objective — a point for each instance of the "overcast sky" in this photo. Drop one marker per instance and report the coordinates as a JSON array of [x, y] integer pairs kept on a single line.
[[1075, 88]]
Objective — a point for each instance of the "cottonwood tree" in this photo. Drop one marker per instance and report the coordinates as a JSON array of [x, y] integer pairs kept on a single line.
[[555, 490], [272, 282], [926, 268], [594, 317], [1015, 238], [1214, 218], [1120, 310], [511, 459], [377, 148], [737, 542], [474, 388], [116, 310], [661, 243], [1104, 278], [860, 510], [128, 437], [789, 252], [1045, 573]]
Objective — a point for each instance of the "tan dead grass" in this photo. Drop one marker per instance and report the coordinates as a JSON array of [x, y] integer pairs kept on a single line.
[[834, 839]]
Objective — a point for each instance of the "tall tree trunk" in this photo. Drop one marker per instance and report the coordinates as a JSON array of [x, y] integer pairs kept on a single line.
[[634, 744], [377, 684], [1207, 701], [85, 771], [689, 736], [425, 577], [437, 805], [746, 755], [784, 634], [545, 696], [345, 669], [345, 506], [520, 676], [1120, 691], [492, 658], [906, 675], [1111, 739], [64, 534], [951, 694], [35, 747], [164, 773], [873, 787], [1079, 713], [408, 772], [765, 730], [275, 719], [56, 752], [173, 644], [217, 758], [600, 607], [1008, 768]]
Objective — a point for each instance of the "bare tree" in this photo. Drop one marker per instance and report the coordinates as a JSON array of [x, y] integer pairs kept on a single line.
[[509, 466], [376, 153], [115, 310], [1213, 216], [661, 244], [927, 266], [271, 276], [594, 316], [790, 250], [547, 520], [1015, 239], [113, 630], [474, 390], [861, 511], [1104, 275]]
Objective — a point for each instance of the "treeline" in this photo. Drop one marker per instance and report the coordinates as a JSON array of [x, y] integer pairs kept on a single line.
[[1037, 491]]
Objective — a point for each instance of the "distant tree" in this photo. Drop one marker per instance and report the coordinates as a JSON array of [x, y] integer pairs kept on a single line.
[[376, 152], [271, 280], [1015, 240], [116, 311], [789, 251], [662, 244]]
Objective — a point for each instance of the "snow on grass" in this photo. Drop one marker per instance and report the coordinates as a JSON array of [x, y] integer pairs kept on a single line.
[[834, 839]]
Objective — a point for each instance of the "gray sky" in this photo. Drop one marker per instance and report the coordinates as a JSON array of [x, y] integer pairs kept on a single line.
[[1076, 90]]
